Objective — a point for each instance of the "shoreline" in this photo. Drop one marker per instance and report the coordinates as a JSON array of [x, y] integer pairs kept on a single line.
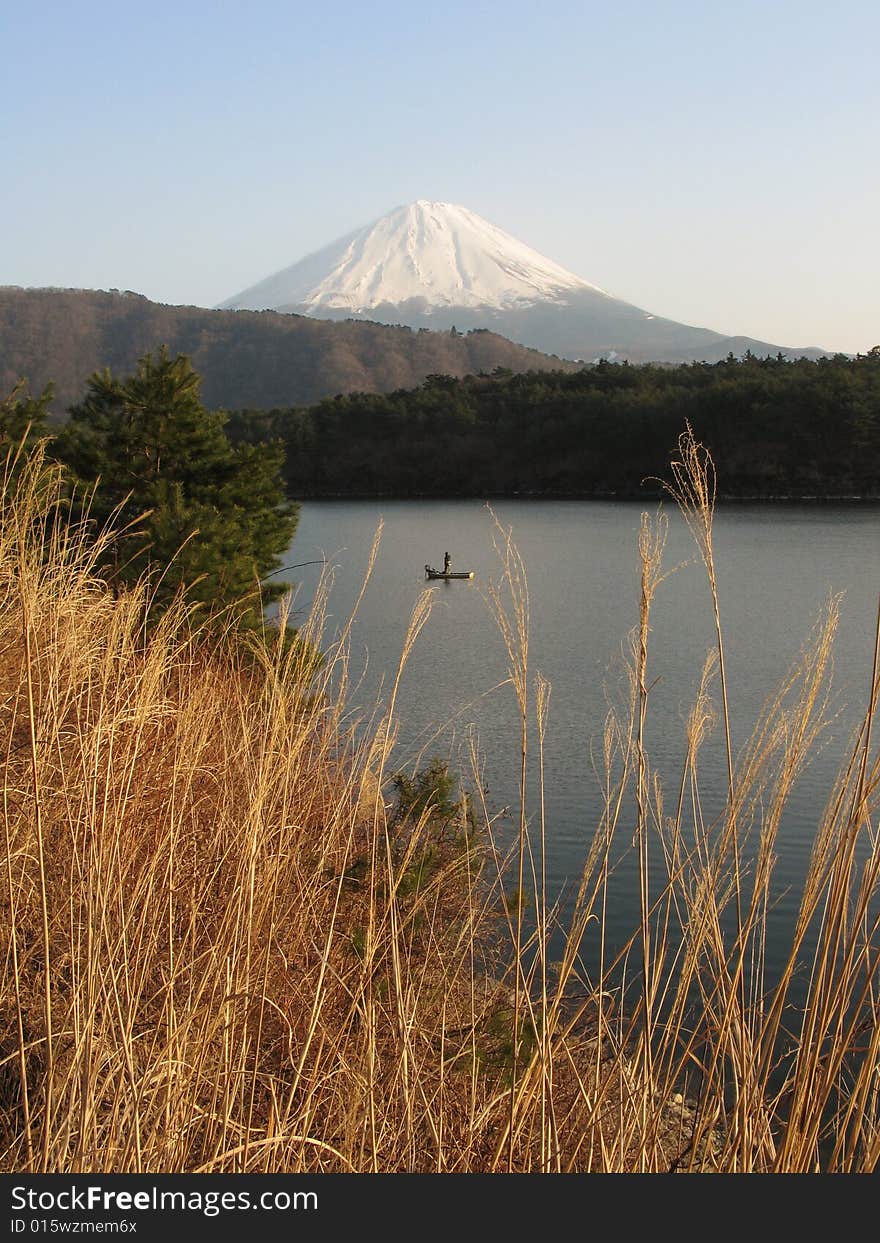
[[808, 499]]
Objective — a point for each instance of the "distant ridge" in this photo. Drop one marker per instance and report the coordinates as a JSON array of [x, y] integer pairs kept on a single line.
[[438, 265], [246, 359]]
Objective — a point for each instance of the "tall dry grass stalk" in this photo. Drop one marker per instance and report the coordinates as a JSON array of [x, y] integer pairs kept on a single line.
[[224, 950]]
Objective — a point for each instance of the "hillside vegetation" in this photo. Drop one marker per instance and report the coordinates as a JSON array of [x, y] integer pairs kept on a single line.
[[782, 428], [245, 358]]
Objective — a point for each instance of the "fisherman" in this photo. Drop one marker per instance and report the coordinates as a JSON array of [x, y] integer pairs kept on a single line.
[[447, 562]]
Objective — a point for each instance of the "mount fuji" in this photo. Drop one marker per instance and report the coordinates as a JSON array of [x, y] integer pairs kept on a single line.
[[439, 265]]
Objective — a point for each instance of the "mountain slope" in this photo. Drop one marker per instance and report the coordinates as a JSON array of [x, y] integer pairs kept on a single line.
[[438, 265], [246, 359]]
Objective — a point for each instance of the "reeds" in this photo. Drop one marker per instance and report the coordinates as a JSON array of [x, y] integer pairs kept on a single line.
[[222, 952]]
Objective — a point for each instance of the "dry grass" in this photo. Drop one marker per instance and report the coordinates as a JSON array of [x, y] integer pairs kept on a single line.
[[220, 952]]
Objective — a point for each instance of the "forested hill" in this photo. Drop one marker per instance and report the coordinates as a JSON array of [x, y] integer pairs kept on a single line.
[[776, 428], [245, 358]]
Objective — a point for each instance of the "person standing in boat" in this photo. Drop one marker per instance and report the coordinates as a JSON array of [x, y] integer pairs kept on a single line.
[[447, 562]]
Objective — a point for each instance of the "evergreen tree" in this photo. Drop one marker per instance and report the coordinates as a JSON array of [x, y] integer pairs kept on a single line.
[[188, 506], [23, 418]]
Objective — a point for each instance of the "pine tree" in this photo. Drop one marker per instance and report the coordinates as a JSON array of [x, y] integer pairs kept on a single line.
[[190, 508], [23, 417]]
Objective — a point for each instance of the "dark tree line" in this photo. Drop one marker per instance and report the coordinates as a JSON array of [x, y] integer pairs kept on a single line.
[[776, 428]]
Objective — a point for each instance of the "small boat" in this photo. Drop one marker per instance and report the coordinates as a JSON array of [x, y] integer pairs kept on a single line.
[[430, 572]]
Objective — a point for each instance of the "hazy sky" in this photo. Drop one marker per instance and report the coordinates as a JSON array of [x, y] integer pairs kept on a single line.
[[717, 164]]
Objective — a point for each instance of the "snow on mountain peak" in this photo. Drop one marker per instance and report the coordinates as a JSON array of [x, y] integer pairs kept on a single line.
[[440, 253]]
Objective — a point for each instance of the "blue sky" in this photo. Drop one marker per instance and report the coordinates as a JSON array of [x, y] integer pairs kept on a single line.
[[716, 164]]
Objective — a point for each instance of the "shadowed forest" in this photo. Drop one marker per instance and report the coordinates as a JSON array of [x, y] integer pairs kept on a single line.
[[781, 429]]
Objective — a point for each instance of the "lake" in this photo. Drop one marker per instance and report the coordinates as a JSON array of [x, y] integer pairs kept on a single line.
[[776, 566]]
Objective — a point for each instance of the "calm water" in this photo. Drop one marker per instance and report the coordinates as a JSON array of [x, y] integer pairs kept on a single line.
[[776, 567]]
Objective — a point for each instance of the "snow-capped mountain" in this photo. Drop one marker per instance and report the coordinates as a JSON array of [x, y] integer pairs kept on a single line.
[[439, 265], [438, 252]]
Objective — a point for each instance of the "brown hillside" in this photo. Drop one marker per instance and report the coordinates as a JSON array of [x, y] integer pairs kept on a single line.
[[256, 359]]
